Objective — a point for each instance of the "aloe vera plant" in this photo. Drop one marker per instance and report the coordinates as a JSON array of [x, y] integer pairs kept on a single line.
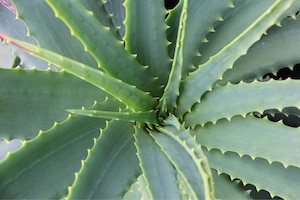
[[129, 100]]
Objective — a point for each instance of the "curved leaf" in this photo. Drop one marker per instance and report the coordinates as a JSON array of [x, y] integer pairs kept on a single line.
[[110, 167], [254, 137], [32, 100], [279, 48], [97, 40], [280, 181], [158, 172], [53, 154], [128, 94], [142, 18], [147, 117], [44, 30], [187, 157], [252, 22], [17, 29], [227, 101]]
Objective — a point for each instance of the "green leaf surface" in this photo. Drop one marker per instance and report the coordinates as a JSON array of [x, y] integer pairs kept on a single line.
[[128, 94], [147, 117], [172, 20], [49, 161], [110, 167], [251, 23], [44, 30], [227, 189], [187, 157], [99, 12], [171, 91], [108, 51], [275, 178], [227, 101], [144, 17], [279, 48], [254, 137], [201, 16], [17, 29], [32, 100], [158, 172], [117, 10]]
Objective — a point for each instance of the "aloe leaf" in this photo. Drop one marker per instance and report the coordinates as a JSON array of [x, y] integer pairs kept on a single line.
[[254, 137], [158, 172], [202, 15], [17, 29], [147, 117], [127, 94], [110, 167], [45, 31], [227, 189], [108, 51], [33, 100], [279, 48], [284, 182], [142, 19], [227, 101], [117, 10], [252, 22], [100, 13], [171, 91], [187, 157], [138, 190], [172, 21], [57, 151]]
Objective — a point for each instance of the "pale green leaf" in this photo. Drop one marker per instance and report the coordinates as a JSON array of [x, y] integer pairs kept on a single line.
[[33, 100], [275, 178], [17, 29], [147, 117], [142, 19], [227, 101], [227, 189], [158, 172], [251, 23], [117, 10], [49, 161], [255, 137], [187, 157], [45, 31], [110, 167], [128, 94], [279, 48], [104, 47]]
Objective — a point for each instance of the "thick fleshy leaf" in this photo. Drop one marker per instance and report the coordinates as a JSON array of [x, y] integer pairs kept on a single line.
[[17, 29], [100, 13], [171, 91], [227, 189], [255, 137], [279, 48], [187, 158], [128, 94], [275, 178], [227, 101], [157, 170], [117, 10], [45, 31], [49, 161], [98, 41], [252, 21], [110, 167], [144, 17], [146, 117], [32, 100]]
